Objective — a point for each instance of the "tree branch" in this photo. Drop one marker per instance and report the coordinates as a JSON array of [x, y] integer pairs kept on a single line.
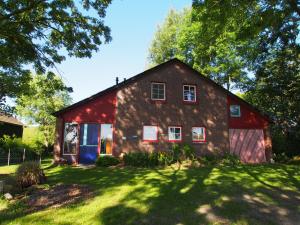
[[22, 10]]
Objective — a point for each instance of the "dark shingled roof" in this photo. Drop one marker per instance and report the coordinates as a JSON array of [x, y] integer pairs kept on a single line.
[[138, 76]]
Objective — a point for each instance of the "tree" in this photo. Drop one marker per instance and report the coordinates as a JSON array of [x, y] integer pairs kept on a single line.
[[182, 37], [271, 30], [47, 94], [37, 33]]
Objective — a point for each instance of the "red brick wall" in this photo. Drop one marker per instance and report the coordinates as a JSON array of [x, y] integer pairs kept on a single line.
[[100, 110], [135, 109], [249, 119]]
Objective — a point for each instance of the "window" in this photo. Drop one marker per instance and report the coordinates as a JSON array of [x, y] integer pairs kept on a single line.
[[150, 133], [70, 139], [235, 111], [106, 138], [174, 134], [158, 91], [89, 133], [198, 134], [189, 93]]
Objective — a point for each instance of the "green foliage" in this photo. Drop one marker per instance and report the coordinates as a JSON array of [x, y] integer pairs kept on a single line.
[[16, 147], [106, 161], [145, 159], [37, 32], [164, 158], [281, 157], [47, 94], [230, 160], [225, 160], [270, 31], [8, 142], [188, 151], [30, 173], [138, 159], [183, 37], [177, 152]]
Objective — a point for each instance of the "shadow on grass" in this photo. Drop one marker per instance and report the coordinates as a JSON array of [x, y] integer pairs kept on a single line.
[[207, 195], [244, 195]]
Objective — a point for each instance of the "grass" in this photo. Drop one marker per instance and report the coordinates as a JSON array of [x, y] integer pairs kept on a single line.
[[261, 194]]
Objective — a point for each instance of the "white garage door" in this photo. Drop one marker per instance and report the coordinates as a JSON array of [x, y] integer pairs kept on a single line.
[[248, 144]]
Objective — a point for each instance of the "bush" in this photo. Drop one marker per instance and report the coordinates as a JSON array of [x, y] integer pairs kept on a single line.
[[208, 160], [30, 173], [281, 158], [106, 161], [188, 151], [145, 159], [138, 159], [165, 158], [230, 160], [177, 153], [226, 160]]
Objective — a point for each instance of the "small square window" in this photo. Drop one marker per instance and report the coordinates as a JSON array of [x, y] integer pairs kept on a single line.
[[189, 93], [174, 134], [198, 134], [235, 111], [158, 91], [150, 133]]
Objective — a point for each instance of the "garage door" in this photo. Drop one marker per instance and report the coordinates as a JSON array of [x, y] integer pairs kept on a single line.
[[248, 144]]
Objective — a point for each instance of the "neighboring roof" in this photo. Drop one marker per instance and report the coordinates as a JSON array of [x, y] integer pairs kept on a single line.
[[10, 120], [140, 75]]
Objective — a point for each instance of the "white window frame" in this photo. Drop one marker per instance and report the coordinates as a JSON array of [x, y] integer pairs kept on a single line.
[[239, 107], [195, 88], [204, 135], [101, 135], [158, 99], [169, 134], [64, 140], [156, 133]]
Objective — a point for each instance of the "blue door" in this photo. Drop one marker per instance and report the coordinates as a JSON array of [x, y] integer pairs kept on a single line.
[[89, 138]]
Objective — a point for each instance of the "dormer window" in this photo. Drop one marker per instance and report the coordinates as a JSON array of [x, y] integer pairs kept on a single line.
[[235, 111], [189, 93], [158, 91]]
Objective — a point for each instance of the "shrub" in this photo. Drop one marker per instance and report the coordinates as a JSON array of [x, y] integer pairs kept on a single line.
[[176, 150], [137, 159], [281, 158], [145, 159], [208, 159], [230, 160], [165, 158], [106, 161], [30, 173], [188, 151], [226, 160]]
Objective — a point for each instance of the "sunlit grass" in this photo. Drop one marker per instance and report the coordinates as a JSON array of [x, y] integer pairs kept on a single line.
[[230, 195]]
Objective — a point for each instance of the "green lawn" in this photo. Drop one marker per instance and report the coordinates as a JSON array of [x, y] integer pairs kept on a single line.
[[266, 194]]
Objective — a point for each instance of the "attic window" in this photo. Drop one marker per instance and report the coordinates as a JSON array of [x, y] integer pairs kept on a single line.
[[158, 91], [235, 111], [189, 93]]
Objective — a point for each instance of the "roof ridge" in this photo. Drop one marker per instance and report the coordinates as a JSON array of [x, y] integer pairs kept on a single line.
[[129, 80]]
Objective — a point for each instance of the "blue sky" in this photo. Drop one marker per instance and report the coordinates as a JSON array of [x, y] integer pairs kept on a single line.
[[133, 24]]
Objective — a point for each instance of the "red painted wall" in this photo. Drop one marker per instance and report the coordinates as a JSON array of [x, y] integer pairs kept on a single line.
[[99, 110], [250, 119]]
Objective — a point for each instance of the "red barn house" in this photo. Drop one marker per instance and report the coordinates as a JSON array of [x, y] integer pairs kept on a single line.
[[170, 103]]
